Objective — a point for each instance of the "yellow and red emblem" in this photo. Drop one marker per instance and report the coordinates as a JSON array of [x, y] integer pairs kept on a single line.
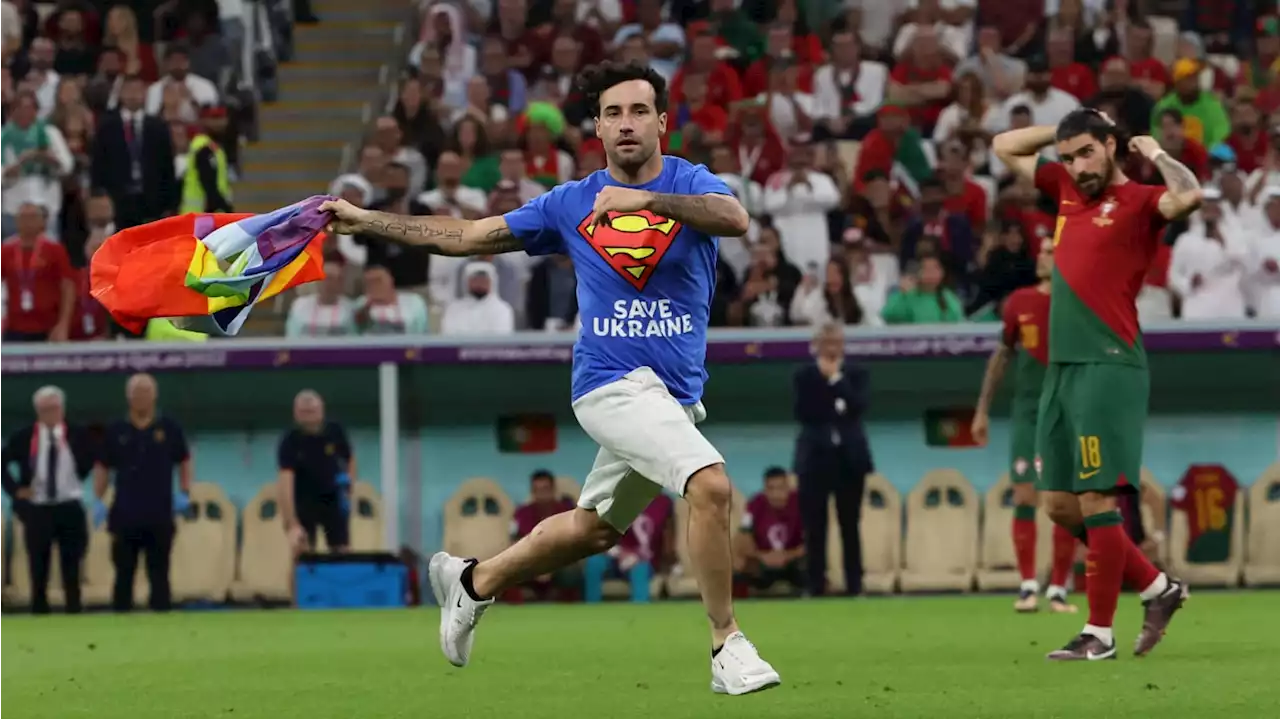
[[633, 243]]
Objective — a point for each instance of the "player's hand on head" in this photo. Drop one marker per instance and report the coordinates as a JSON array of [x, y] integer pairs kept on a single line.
[[347, 218], [1145, 145], [618, 199]]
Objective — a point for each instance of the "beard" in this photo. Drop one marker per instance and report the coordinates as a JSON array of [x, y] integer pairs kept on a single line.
[[633, 159], [1091, 185]]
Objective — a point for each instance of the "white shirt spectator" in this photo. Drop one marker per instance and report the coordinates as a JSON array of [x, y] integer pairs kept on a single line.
[[43, 190], [879, 18], [736, 251], [1209, 274], [610, 11], [47, 93], [460, 59], [1264, 278], [800, 214], [953, 40], [954, 115], [783, 111], [406, 316], [203, 92], [479, 315], [442, 280], [870, 84], [1048, 110], [872, 283], [666, 32], [308, 317]]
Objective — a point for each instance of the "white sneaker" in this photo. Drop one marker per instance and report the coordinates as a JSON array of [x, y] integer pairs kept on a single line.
[[459, 613], [738, 669]]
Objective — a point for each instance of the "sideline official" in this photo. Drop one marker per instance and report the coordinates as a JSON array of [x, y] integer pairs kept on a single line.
[[53, 458], [143, 451], [316, 468], [832, 456]]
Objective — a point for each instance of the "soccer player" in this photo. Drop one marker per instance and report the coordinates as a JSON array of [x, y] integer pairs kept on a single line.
[[1094, 402], [642, 237], [1026, 336]]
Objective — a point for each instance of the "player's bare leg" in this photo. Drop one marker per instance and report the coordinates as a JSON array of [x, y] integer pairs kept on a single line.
[[464, 588], [736, 667], [1024, 546]]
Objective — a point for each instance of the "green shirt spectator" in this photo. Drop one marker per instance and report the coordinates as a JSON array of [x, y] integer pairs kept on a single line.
[[923, 299], [1204, 119]]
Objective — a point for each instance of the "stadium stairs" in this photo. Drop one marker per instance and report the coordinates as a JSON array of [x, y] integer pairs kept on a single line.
[[329, 92]]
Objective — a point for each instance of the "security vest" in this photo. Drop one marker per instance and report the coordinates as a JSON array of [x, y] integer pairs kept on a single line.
[[193, 199]]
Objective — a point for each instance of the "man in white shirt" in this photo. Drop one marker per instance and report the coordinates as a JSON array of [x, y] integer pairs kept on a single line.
[[1048, 104], [177, 63], [1209, 264], [480, 311], [53, 458], [799, 199], [34, 174], [42, 77], [875, 22], [1000, 74], [451, 198], [848, 86], [953, 37], [1265, 279]]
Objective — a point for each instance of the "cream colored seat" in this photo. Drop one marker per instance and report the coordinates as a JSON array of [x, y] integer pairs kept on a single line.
[[942, 534], [568, 487], [477, 519], [203, 560], [1154, 505], [367, 526], [684, 583], [1220, 574], [998, 566], [265, 557], [1262, 556], [881, 538]]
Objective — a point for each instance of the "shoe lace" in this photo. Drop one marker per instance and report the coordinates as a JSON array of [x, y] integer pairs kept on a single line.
[[474, 612], [1078, 642], [733, 649]]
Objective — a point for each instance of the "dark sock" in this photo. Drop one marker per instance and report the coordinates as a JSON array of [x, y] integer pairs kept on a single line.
[[716, 651], [467, 586]]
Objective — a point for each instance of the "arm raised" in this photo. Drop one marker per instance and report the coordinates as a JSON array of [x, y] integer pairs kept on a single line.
[[1020, 149], [440, 235]]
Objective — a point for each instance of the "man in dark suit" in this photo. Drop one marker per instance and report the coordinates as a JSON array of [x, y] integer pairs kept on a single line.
[[832, 456], [143, 450], [53, 459], [133, 159]]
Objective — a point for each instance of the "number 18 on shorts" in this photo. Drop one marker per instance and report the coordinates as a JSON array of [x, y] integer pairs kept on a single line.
[[1089, 426]]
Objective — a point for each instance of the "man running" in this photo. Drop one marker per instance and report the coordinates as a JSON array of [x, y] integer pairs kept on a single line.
[[642, 237]]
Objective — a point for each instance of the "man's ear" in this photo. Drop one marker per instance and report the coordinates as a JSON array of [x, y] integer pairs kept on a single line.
[[662, 123]]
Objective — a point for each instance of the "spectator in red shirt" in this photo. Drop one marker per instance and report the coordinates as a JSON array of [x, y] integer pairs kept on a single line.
[[771, 545], [760, 150], [91, 320], [1066, 74], [779, 45], [39, 281], [880, 146], [698, 110], [964, 196], [1174, 140], [1150, 75], [1248, 138], [543, 503], [921, 81], [724, 87]]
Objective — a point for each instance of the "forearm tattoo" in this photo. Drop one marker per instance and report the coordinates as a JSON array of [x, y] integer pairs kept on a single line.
[[1177, 176], [444, 235], [712, 214]]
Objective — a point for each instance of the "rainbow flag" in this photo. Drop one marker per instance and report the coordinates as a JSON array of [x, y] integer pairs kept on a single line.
[[212, 267]]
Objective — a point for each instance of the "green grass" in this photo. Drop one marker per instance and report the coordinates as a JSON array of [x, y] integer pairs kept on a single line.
[[941, 658]]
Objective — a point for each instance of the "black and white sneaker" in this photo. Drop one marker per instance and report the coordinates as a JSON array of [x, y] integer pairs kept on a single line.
[[1085, 647]]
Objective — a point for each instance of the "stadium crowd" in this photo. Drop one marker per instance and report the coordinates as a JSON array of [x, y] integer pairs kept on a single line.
[[855, 132]]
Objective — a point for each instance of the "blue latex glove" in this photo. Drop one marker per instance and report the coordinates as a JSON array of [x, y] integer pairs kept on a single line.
[[344, 492], [181, 503], [99, 512]]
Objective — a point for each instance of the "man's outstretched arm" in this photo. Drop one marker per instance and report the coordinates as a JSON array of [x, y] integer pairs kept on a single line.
[[438, 234]]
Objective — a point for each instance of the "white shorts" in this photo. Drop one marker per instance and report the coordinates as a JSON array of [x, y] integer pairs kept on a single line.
[[648, 443]]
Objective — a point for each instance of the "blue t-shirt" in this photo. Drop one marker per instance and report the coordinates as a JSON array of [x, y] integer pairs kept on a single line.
[[644, 284]]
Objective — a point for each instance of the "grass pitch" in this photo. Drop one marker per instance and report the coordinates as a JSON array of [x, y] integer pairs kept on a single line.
[[940, 658]]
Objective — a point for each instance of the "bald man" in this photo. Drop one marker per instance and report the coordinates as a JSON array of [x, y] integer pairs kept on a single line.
[[140, 455], [314, 482]]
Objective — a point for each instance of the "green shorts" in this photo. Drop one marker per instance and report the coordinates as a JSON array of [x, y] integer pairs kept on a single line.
[[1022, 442], [1090, 426]]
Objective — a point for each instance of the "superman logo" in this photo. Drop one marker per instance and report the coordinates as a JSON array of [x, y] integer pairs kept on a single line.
[[633, 243]]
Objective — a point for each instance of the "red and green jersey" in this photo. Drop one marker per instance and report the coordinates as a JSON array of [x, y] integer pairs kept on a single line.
[[1026, 327], [1102, 248]]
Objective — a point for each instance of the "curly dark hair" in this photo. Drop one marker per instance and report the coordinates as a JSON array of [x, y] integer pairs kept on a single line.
[[595, 79]]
